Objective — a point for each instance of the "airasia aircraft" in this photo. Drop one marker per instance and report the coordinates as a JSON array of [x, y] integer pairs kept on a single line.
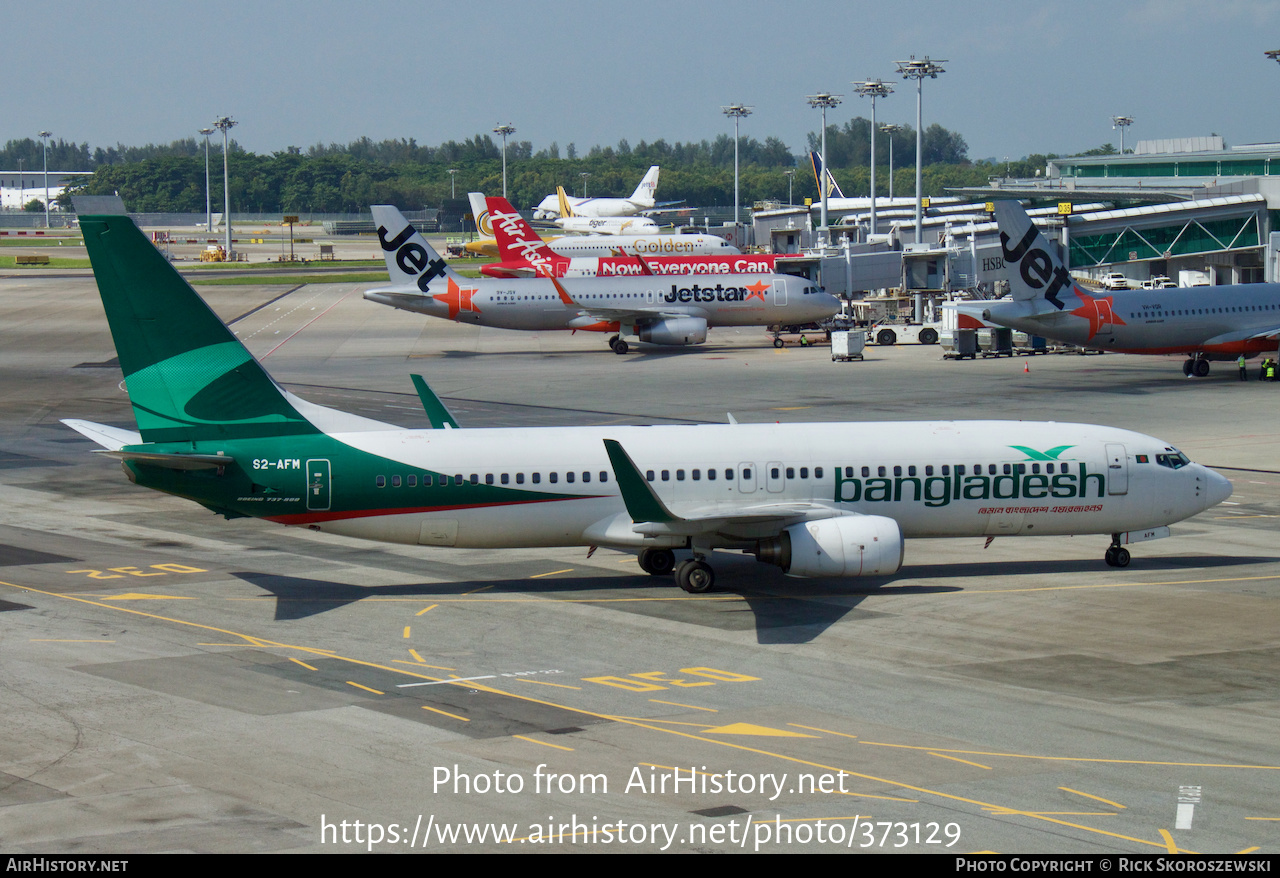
[[523, 253]]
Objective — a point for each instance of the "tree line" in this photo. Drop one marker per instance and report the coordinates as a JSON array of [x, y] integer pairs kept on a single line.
[[347, 178]]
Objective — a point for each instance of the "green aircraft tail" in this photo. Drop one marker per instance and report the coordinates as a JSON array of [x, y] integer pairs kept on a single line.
[[188, 377]]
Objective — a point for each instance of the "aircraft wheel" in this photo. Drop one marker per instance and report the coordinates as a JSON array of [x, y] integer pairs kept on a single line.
[[886, 337], [620, 348], [695, 576], [1188, 366], [657, 562], [613, 342], [928, 336], [1117, 556], [777, 342], [1202, 368]]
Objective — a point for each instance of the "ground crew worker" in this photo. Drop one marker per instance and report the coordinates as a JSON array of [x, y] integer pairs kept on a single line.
[[1271, 370], [804, 342], [1240, 362]]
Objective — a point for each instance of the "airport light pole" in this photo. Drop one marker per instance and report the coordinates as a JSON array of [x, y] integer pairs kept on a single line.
[[918, 70], [225, 124], [873, 88], [584, 175], [791, 177], [504, 130], [891, 130], [737, 112], [208, 196], [823, 101], [44, 136], [1121, 122], [453, 184]]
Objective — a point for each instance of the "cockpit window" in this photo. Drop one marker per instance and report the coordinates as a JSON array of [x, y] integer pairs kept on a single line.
[[1175, 460]]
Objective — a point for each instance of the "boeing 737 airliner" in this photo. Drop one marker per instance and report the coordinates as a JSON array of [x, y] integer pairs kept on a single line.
[[817, 500]]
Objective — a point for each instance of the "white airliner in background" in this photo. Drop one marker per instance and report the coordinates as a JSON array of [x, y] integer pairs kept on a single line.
[[816, 500], [642, 199], [601, 246], [657, 310], [1205, 323]]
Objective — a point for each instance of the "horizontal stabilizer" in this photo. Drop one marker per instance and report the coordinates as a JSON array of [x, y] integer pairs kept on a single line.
[[172, 461], [110, 438]]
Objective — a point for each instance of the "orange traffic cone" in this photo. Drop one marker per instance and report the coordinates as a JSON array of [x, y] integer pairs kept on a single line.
[[1026, 367]]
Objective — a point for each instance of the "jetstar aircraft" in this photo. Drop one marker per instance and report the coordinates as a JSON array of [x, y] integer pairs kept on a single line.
[[1205, 323], [525, 254], [587, 246], [561, 205], [657, 310], [817, 500]]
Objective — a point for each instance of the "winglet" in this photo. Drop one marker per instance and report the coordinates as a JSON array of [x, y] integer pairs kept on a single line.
[[564, 296], [437, 412], [642, 504], [643, 264]]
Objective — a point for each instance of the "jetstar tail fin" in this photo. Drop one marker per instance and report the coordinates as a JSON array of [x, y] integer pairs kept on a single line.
[[643, 196], [1036, 274], [411, 261]]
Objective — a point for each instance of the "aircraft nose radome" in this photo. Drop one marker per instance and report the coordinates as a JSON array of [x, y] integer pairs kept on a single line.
[[1219, 487]]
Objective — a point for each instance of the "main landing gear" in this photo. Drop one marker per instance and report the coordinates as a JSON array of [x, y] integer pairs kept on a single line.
[[618, 345], [1197, 366], [1117, 555], [694, 575]]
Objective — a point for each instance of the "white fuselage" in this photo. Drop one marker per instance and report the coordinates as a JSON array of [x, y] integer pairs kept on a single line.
[[622, 226], [645, 245], [936, 479], [589, 207]]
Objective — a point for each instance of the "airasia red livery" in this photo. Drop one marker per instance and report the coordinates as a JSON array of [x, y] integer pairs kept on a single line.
[[523, 253]]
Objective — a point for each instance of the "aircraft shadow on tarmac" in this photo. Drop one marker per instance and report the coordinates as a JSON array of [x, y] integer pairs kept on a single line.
[[783, 612], [1078, 565]]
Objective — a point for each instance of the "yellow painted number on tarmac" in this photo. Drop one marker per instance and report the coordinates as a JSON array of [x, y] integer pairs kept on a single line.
[[120, 572], [648, 681]]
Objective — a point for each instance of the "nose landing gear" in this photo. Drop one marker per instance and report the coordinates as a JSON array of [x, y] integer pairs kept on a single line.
[[1117, 555]]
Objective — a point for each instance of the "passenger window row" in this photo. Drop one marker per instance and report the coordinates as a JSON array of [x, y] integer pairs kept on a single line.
[[429, 481], [960, 469]]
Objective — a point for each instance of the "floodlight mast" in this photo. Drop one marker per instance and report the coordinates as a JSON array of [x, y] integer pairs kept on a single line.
[[918, 70], [1121, 122], [44, 136], [873, 88], [208, 196], [891, 130], [504, 130], [225, 124], [823, 101], [737, 112]]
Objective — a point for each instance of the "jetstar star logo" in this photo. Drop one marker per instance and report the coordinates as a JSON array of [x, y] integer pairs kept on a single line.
[[1032, 454], [1098, 310], [757, 290], [457, 299]]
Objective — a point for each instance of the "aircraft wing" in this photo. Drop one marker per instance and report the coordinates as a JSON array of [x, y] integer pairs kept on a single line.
[[653, 517], [1244, 335]]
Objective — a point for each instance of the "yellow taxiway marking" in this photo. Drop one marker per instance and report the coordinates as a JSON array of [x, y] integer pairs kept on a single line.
[[670, 722], [1006, 811], [301, 662], [686, 706], [791, 408], [872, 796], [552, 573], [1262, 818], [406, 632], [365, 688], [752, 729], [446, 713], [824, 731], [1172, 845], [638, 723], [957, 759], [1095, 798], [427, 610], [1074, 758], [140, 596], [545, 683], [1116, 585], [1248, 850], [543, 743], [477, 590], [419, 661], [55, 640]]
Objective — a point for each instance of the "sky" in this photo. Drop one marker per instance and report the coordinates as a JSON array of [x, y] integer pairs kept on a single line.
[[1021, 77]]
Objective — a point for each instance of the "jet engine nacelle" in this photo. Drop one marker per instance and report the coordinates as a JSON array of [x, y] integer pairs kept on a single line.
[[675, 331], [851, 545]]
